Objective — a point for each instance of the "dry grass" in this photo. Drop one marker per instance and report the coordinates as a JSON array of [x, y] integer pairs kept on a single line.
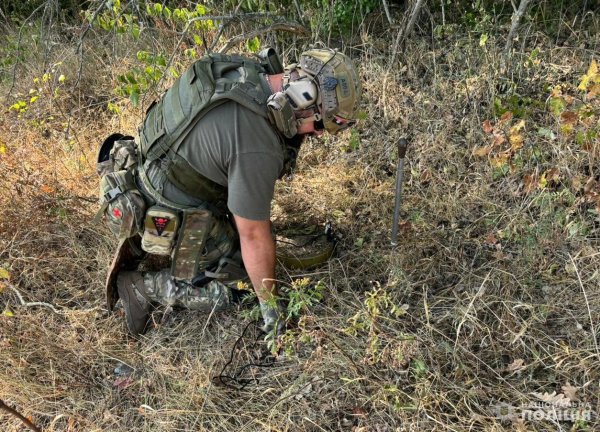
[[491, 295]]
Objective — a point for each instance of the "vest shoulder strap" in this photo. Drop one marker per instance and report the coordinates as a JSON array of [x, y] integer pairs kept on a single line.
[[209, 82]]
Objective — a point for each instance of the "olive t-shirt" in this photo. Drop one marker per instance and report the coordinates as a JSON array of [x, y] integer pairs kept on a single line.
[[236, 148]]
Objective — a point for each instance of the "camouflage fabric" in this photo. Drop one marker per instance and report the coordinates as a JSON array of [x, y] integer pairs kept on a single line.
[[124, 155], [339, 86], [126, 257], [122, 204], [273, 313], [116, 154], [160, 230], [160, 287], [220, 242], [193, 233]]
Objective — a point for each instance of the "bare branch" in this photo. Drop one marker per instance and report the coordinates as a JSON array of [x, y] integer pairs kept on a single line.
[[18, 50], [31, 304], [287, 26], [5, 21], [516, 21], [299, 12], [587, 303], [386, 8], [80, 43], [227, 20], [413, 18], [405, 31], [18, 415]]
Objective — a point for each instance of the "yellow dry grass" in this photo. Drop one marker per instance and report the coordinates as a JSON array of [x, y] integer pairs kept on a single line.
[[492, 294]]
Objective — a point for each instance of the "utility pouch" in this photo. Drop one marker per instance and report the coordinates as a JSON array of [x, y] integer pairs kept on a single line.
[[160, 230], [122, 204], [270, 61], [281, 114], [194, 231]]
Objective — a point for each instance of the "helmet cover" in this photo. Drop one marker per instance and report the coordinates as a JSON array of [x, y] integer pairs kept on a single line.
[[339, 86]]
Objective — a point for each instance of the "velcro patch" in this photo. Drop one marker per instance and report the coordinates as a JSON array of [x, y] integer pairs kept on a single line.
[[344, 86], [160, 223]]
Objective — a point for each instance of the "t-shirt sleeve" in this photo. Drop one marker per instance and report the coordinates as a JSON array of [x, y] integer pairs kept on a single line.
[[251, 184]]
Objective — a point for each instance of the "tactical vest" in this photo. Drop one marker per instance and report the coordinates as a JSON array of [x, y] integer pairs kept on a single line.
[[210, 82]]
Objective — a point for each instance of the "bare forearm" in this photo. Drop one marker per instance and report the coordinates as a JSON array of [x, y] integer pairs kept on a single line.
[[258, 253], [259, 259]]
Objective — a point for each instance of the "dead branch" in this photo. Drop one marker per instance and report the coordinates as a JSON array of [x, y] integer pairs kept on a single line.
[[413, 18], [230, 19], [405, 31], [299, 12], [18, 49], [31, 304], [587, 303], [287, 26], [386, 8], [227, 19], [90, 23], [4, 20], [18, 415], [516, 22]]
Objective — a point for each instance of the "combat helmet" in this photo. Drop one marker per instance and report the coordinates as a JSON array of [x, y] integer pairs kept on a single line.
[[339, 87]]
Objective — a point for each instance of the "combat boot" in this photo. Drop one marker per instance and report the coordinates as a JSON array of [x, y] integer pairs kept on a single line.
[[130, 285]]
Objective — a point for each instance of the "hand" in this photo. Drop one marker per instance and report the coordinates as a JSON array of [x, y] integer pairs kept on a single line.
[[273, 313]]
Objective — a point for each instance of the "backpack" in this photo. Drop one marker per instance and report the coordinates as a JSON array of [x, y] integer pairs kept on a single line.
[[121, 201], [209, 82]]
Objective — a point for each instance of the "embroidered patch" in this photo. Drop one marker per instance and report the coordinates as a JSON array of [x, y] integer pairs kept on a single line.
[[330, 83], [344, 85], [160, 223], [117, 213]]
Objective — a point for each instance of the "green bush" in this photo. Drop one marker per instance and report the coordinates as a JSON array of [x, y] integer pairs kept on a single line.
[[21, 9]]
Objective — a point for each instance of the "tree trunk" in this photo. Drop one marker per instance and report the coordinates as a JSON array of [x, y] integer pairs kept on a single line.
[[516, 21]]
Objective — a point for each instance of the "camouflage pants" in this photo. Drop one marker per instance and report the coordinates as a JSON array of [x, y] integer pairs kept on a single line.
[[161, 287], [219, 255]]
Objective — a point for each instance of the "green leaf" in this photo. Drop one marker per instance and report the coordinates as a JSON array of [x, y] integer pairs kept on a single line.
[[354, 141], [135, 97], [135, 31], [4, 274], [483, 39], [200, 9], [419, 367], [142, 55], [557, 105], [546, 133], [253, 44], [7, 312], [174, 72], [534, 54], [131, 78], [197, 40], [362, 115], [113, 108]]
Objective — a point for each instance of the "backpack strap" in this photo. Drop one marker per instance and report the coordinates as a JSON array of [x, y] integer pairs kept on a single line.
[[209, 82]]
